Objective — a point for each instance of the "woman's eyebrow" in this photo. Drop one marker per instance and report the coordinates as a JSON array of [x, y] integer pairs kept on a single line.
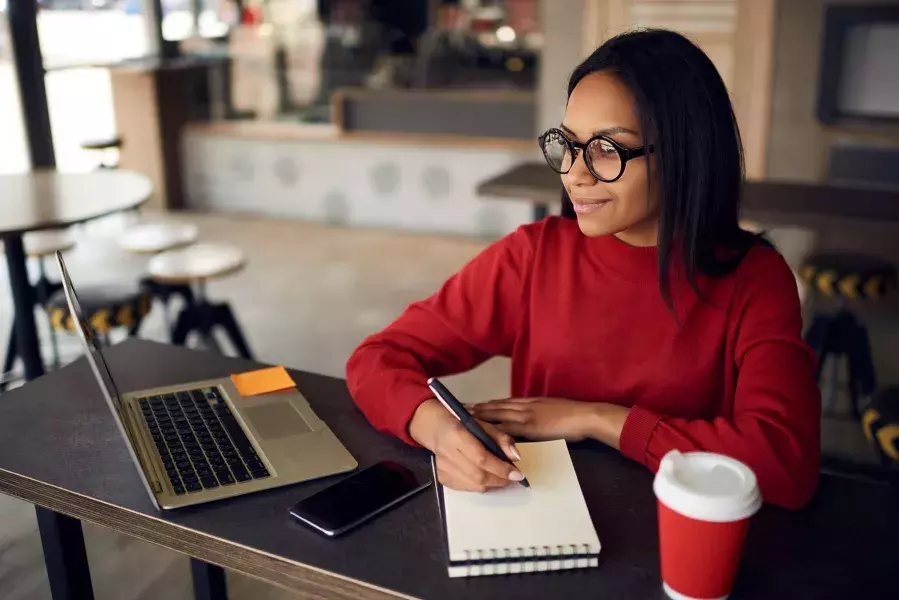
[[606, 131]]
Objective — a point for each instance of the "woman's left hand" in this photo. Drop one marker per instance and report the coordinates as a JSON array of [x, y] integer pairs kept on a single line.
[[554, 418]]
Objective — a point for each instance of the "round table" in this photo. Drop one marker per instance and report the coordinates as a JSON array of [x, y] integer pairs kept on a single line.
[[45, 199]]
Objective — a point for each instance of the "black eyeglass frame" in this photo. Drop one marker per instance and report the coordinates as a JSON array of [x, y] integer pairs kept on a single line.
[[624, 154]]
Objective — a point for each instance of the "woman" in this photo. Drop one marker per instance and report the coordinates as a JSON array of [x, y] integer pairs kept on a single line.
[[644, 318]]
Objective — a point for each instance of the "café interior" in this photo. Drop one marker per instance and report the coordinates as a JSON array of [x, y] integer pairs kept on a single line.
[[305, 169]]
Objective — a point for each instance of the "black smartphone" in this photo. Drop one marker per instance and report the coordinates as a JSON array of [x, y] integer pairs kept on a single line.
[[358, 498]]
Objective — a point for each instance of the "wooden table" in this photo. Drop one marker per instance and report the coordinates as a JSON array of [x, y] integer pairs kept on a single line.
[[772, 202], [73, 462], [46, 199]]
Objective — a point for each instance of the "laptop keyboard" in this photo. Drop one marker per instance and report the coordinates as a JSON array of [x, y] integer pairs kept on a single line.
[[201, 444]]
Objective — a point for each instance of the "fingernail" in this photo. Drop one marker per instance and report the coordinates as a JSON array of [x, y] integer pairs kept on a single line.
[[515, 476], [514, 451]]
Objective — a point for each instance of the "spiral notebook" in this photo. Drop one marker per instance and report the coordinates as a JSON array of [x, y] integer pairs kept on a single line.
[[521, 530]]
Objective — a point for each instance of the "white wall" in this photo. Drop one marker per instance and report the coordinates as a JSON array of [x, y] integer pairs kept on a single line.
[[357, 183]]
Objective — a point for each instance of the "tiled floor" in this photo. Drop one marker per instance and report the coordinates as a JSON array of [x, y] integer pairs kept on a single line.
[[307, 297]]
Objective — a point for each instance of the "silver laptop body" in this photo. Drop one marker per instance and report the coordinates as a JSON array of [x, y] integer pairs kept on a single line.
[[202, 441]]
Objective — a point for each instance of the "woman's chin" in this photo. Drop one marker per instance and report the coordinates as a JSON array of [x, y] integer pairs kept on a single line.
[[592, 227]]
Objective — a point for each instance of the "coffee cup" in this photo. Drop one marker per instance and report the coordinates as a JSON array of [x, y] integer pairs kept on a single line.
[[705, 502]]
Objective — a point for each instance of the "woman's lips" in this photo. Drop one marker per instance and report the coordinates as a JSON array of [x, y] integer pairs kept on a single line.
[[584, 206]]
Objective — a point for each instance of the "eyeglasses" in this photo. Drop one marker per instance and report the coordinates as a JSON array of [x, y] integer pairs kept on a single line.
[[605, 158]]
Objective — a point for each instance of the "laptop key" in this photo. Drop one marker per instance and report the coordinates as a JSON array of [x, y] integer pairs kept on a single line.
[[179, 490], [241, 474], [255, 465], [226, 478], [189, 478], [241, 442], [193, 486], [209, 482], [259, 473]]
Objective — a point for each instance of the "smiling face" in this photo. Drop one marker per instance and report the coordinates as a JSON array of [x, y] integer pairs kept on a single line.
[[601, 105]]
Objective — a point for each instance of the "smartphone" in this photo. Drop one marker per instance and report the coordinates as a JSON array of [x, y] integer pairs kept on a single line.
[[358, 498]]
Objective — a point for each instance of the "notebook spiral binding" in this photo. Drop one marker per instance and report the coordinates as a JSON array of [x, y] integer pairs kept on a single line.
[[528, 558]]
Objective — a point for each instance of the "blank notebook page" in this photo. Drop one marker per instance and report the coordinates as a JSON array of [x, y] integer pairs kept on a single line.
[[551, 513]]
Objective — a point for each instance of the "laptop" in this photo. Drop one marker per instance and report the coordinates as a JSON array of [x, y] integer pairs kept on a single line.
[[201, 441]]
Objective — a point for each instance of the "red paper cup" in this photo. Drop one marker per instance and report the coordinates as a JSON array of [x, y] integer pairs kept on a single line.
[[705, 502]]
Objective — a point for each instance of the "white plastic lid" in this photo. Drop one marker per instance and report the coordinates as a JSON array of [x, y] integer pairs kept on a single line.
[[707, 486]]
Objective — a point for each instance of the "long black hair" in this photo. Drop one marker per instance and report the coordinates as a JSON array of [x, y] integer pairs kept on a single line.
[[686, 114]]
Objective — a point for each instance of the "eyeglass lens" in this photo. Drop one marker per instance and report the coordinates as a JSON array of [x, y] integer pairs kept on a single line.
[[602, 156]]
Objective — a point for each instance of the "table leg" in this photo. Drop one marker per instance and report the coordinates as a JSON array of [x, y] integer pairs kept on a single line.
[[209, 581], [64, 556], [23, 300]]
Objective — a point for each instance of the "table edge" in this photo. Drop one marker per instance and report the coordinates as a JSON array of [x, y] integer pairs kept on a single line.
[[305, 579], [140, 201]]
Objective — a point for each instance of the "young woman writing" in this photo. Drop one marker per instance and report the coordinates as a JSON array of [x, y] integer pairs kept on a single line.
[[644, 317]]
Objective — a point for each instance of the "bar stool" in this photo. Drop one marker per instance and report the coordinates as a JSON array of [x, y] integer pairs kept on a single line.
[[838, 336], [38, 246], [194, 266], [154, 237], [105, 308], [105, 147]]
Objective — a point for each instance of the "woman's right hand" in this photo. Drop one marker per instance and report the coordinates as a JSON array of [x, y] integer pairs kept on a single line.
[[463, 463]]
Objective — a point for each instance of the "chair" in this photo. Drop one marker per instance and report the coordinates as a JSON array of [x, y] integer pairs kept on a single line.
[[104, 307], [194, 266], [105, 147], [38, 246], [154, 237], [839, 335]]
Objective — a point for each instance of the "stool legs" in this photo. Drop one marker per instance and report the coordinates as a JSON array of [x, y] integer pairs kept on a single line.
[[225, 317], [203, 317], [44, 290], [10, 358], [833, 337]]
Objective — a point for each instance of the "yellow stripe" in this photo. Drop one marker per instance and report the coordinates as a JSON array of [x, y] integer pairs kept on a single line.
[[872, 287], [56, 317], [868, 419], [826, 280], [808, 274], [849, 286], [100, 321], [886, 437]]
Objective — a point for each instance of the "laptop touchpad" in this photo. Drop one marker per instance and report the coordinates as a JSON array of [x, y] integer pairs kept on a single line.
[[274, 421]]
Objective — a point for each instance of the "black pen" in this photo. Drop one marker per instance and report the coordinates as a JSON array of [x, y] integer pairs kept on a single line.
[[458, 410]]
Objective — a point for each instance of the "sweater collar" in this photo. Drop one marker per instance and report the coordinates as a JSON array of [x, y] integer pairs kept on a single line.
[[638, 264]]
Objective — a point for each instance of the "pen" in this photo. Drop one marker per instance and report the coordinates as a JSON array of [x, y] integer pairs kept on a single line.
[[458, 410]]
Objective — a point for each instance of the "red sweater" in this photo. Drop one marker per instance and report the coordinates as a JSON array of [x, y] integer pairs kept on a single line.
[[582, 318]]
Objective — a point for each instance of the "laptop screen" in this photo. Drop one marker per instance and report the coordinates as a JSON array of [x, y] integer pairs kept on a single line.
[[94, 354], [88, 337]]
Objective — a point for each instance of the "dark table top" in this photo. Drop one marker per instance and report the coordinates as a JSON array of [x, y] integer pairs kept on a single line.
[[47, 199], [775, 202], [60, 450]]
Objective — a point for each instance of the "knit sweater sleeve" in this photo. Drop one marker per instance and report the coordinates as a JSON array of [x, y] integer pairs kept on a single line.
[[476, 314], [775, 423]]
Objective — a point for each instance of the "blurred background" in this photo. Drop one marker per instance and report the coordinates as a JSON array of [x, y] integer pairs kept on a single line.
[[334, 160]]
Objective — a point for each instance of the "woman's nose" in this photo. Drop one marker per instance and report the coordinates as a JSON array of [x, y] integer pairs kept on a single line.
[[579, 173]]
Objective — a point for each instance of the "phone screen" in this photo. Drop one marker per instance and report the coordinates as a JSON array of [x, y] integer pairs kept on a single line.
[[357, 498]]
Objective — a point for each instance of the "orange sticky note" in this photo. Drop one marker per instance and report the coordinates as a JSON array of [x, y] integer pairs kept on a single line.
[[263, 381]]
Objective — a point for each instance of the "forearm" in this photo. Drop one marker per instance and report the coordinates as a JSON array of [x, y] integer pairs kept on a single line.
[[607, 422]]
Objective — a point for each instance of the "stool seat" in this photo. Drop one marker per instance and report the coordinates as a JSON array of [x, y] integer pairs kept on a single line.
[[102, 143], [39, 244], [152, 238], [105, 307], [848, 276], [196, 263]]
